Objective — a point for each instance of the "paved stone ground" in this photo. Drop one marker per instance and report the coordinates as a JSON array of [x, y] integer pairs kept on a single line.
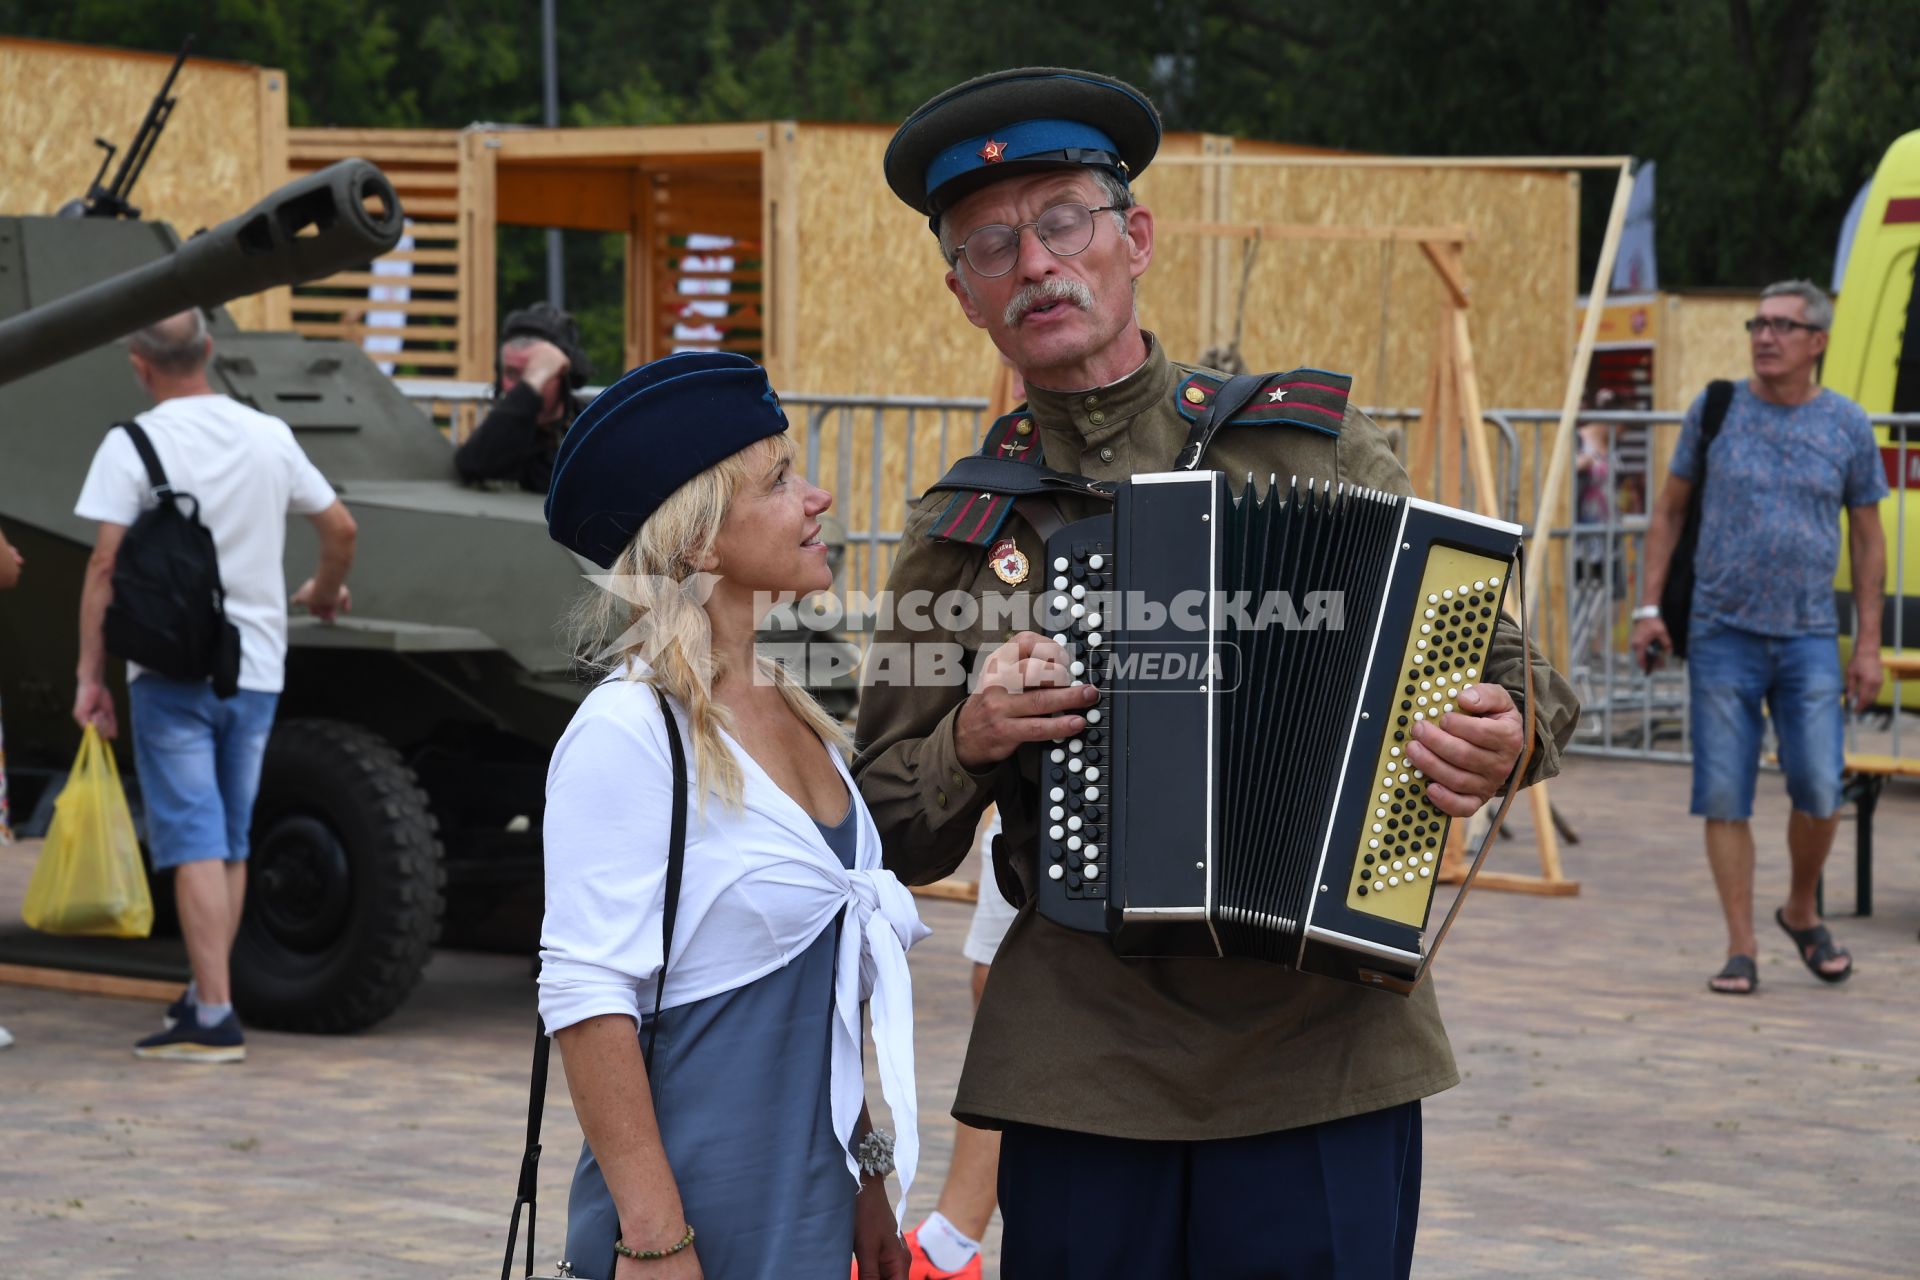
[[1616, 1119]]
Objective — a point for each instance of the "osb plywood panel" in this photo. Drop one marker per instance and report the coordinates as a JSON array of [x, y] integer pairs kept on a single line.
[[1704, 340], [1178, 292], [212, 162], [873, 318], [1368, 309]]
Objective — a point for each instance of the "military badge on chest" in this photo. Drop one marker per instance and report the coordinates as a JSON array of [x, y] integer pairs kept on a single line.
[[1009, 562]]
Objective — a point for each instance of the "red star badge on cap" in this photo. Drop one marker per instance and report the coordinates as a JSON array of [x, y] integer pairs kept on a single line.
[[993, 151]]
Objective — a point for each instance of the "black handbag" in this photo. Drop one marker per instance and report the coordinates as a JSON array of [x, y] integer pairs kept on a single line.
[[1676, 596], [529, 1188]]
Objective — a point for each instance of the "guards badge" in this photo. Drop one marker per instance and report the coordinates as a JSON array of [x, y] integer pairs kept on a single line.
[[1009, 562]]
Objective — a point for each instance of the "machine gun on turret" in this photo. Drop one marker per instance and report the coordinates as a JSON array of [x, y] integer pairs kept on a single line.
[[110, 201]]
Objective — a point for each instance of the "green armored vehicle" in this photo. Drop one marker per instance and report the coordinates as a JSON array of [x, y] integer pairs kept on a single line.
[[407, 765]]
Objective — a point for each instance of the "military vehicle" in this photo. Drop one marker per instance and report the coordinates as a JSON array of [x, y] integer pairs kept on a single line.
[[410, 749]]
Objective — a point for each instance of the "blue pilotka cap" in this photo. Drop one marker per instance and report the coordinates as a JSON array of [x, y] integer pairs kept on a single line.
[[658, 427], [1018, 121]]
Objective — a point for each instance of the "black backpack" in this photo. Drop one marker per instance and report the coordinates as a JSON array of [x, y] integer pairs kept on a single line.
[[169, 611], [1676, 597]]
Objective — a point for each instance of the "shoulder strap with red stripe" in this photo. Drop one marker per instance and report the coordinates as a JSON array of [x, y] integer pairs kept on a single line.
[[1310, 398], [974, 516]]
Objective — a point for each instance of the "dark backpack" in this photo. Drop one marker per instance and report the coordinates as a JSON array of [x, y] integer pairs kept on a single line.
[[1676, 596], [169, 611]]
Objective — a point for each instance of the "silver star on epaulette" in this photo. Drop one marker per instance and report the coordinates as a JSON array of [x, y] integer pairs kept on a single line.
[[1277, 395]]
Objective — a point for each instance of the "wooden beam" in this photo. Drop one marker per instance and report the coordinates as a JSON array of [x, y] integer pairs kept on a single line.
[[304, 304], [693, 140], [479, 232], [380, 153], [90, 984], [1472, 419], [945, 890], [1445, 257], [419, 281], [1510, 883], [1256, 161], [1313, 231], [312, 137], [1556, 476]]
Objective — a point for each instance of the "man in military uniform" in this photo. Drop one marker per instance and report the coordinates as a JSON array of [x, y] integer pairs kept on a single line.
[[1221, 1117]]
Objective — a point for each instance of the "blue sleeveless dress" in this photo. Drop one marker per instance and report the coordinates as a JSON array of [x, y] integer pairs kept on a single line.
[[740, 1086]]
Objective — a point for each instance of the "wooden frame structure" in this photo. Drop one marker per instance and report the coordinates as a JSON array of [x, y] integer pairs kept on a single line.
[[1450, 426], [654, 186]]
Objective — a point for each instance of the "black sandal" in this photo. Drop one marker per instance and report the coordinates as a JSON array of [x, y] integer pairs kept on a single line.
[[1737, 968], [1816, 946]]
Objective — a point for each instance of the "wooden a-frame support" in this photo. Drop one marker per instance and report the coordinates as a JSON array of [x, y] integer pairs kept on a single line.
[[1451, 425]]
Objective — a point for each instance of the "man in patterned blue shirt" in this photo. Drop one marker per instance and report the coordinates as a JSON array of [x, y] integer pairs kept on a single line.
[[1788, 457]]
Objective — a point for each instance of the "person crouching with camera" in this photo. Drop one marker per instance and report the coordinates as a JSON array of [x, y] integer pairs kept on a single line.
[[726, 1129]]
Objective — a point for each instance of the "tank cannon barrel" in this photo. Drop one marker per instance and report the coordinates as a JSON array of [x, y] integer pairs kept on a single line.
[[314, 226]]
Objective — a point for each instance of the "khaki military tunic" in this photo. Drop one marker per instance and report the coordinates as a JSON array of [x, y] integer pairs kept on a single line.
[[1070, 1034]]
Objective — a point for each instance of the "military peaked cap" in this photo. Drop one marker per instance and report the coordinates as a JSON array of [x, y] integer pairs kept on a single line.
[[1017, 121]]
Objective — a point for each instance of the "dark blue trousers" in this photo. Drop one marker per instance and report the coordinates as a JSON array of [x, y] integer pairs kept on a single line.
[[1334, 1201]]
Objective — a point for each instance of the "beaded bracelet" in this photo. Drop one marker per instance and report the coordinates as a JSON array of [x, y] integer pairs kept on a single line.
[[651, 1255]]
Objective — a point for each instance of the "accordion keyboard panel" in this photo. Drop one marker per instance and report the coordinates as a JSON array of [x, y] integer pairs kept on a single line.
[[1074, 837], [1397, 858]]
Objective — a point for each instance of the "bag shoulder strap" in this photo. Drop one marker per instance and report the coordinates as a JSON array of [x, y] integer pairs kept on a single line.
[[527, 1192], [1713, 416], [676, 863], [156, 474], [1214, 413]]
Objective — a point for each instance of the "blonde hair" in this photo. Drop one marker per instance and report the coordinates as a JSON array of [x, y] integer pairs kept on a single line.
[[658, 620]]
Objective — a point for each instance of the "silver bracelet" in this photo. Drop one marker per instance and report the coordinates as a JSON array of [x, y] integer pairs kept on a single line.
[[875, 1153], [1645, 612]]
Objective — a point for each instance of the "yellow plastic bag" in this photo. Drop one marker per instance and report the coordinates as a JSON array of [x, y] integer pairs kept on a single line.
[[90, 878]]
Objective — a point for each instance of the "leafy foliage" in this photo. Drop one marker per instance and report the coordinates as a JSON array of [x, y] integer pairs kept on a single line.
[[1766, 115]]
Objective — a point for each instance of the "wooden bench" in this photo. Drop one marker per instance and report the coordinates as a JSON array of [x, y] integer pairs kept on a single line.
[[1866, 777]]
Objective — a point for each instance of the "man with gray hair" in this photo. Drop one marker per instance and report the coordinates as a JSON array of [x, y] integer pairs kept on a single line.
[[198, 755], [1778, 457]]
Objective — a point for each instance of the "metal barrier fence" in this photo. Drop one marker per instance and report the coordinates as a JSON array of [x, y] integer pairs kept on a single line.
[[885, 450], [1597, 549]]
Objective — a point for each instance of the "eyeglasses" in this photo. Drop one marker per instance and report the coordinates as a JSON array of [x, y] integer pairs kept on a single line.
[[1779, 325], [1065, 229]]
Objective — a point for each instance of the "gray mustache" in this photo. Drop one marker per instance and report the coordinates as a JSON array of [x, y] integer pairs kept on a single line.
[[1057, 289]]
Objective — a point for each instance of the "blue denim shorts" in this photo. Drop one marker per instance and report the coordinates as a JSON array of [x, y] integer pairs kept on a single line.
[[1733, 675], [198, 758]]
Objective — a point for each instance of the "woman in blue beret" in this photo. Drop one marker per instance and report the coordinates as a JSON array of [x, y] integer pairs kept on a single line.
[[727, 1133]]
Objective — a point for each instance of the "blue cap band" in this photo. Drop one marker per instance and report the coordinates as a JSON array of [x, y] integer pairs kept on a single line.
[[1020, 141]]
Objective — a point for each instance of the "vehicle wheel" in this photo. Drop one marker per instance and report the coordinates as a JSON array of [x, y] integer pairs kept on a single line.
[[343, 882]]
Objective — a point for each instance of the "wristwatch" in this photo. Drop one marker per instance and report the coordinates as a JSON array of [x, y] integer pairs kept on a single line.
[[1646, 611]]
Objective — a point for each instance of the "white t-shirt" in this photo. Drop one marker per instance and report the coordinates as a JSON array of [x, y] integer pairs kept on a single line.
[[248, 474]]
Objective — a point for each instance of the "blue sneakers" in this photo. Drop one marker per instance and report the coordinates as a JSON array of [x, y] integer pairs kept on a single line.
[[188, 1041], [177, 1012]]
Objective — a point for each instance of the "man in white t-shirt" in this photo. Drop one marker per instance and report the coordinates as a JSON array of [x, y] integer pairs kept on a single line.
[[198, 755]]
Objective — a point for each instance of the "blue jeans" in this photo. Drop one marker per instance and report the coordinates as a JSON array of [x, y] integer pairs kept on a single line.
[[1733, 675], [198, 758]]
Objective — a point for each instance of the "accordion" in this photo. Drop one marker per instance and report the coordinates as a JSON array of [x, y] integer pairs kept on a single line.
[[1242, 787]]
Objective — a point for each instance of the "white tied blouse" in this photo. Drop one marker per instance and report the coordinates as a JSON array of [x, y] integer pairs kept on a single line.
[[759, 886]]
